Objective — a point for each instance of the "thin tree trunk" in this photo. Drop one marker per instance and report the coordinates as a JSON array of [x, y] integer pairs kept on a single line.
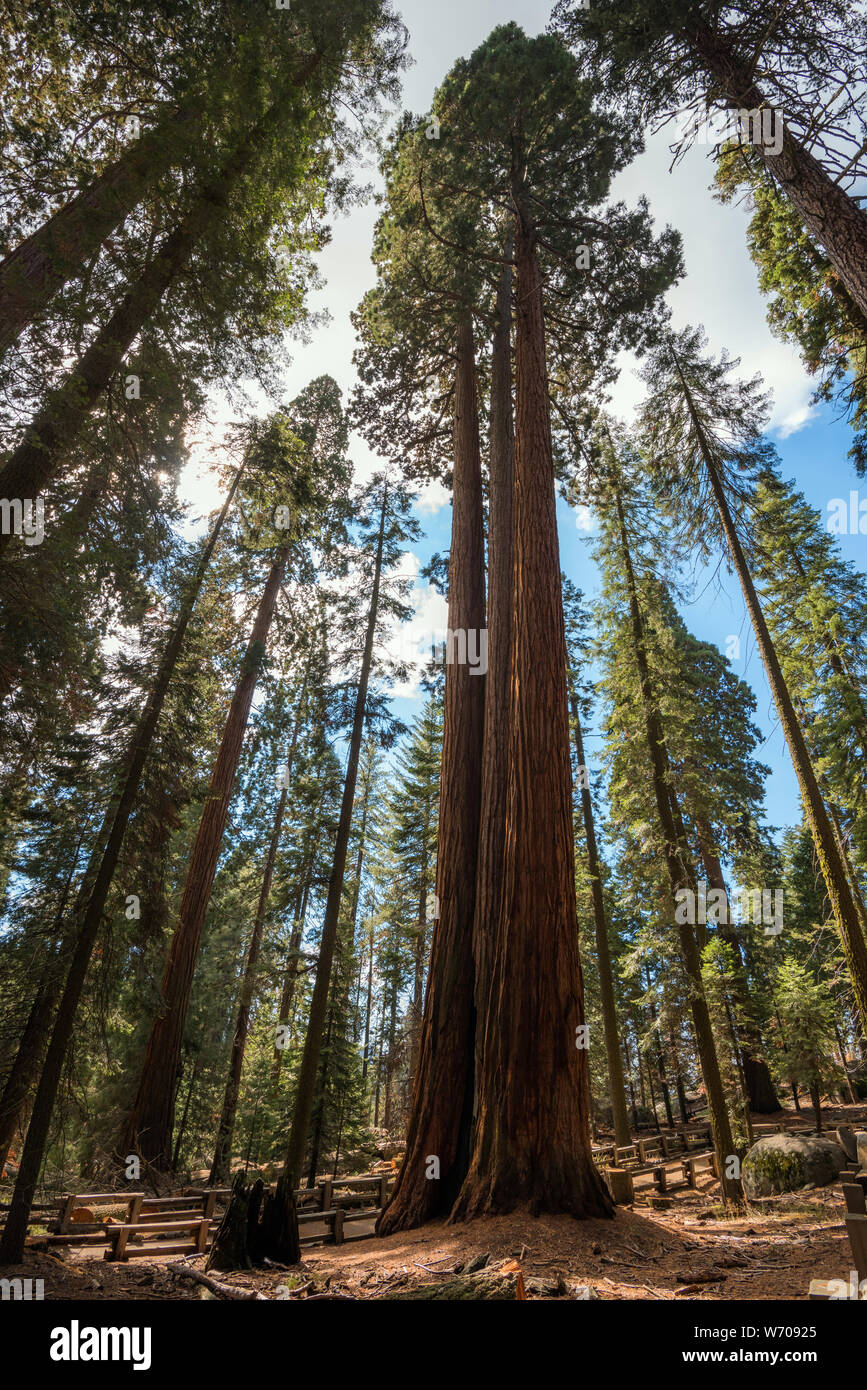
[[678, 1081], [827, 851], [318, 1005], [532, 1141], [442, 1105], [366, 1058], [816, 1101], [31, 1045], [603, 951], [419, 955], [379, 1066], [25, 1064], [629, 1081], [390, 1063], [833, 816], [292, 973], [182, 1127], [14, 1235], [660, 1063], [856, 711], [223, 1148], [319, 1108], [343, 995], [853, 1099], [649, 1070], [761, 1093], [148, 1128], [680, 877]]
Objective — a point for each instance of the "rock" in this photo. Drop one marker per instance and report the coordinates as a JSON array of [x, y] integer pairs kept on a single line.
[[861, 1146], [788, 1162], [547, 1288], [392, 1149], [584, 1292]]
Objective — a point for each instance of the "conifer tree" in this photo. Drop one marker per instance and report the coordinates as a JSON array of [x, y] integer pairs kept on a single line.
[[703, 433]]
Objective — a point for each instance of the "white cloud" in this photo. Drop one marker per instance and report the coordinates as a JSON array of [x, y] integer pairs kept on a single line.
[[412, 641], [720, 288]]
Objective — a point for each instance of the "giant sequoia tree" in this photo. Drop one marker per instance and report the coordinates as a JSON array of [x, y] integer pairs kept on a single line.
[[490, 157]]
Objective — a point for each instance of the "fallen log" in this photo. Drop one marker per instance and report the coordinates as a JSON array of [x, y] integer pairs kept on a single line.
[[488, 1284]]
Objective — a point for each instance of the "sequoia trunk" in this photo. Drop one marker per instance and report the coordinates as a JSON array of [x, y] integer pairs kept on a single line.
[[442, 1099], [532, 1137]]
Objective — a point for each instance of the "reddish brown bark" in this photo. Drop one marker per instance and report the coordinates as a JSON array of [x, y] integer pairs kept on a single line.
[[148, 1129], [495, 753], [441, 1114], [532, 1138]]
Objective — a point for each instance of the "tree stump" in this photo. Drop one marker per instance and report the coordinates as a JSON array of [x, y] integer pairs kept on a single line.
[[257, 1224], [621, 1186]]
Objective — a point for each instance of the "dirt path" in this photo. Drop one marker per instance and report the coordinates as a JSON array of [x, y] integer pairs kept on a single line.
[[684, 1252]]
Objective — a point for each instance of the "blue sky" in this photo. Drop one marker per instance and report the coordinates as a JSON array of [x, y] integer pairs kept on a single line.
[[719, 290]]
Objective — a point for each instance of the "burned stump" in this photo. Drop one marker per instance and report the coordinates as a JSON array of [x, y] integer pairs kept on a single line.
[[257, 1224]]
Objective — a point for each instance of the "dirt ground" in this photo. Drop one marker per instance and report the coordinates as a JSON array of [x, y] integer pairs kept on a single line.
[[692, 1249]]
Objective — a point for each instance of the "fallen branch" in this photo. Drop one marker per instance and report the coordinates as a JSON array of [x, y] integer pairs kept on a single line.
[[215, 1285]]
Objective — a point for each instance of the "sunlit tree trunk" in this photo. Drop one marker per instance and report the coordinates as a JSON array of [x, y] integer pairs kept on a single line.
[[532, 1141], [442, 1102]]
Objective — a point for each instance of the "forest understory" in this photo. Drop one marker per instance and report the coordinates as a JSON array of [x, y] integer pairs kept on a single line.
[[693, 1249]]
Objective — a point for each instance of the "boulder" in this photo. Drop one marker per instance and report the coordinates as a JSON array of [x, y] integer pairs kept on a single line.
[[391, 1149], [861, 1146], [788, 1162]]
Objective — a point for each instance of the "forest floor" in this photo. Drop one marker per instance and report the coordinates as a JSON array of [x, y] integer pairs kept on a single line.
[[691, 1249]]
